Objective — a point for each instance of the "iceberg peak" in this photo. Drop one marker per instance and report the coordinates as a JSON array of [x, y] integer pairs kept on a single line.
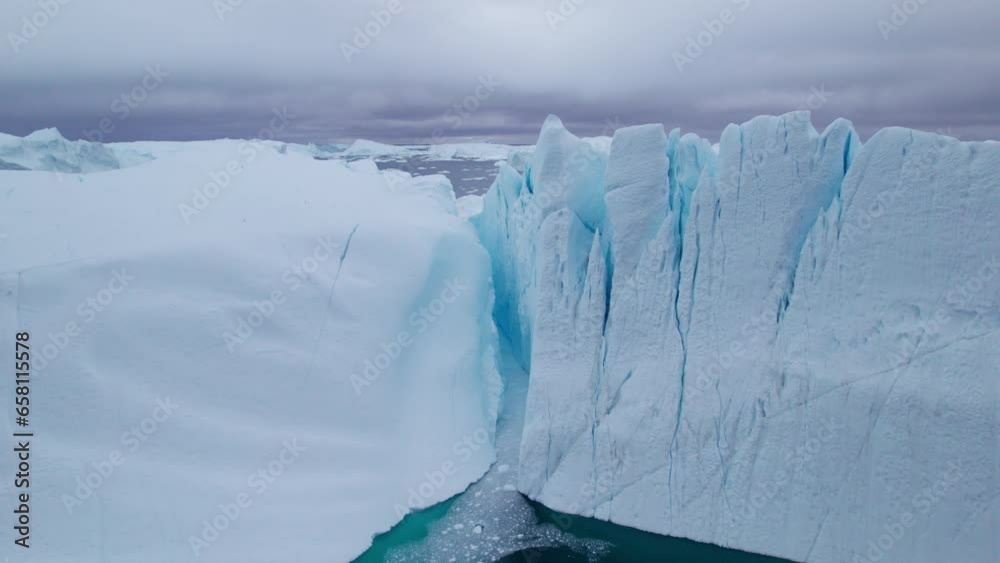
[[47, 134], [552, 121]]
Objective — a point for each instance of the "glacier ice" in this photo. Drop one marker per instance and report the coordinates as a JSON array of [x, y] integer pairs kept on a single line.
[[491, 521], [567, 172], [782, 343], [469, 206], [469, 151], [480, 150], [776, 344], [47, 150], [272, 327], [363, 147]]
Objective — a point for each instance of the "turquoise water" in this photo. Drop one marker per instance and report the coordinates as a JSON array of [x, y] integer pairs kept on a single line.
[[629, 545], [491, 522], [413, 529], [622, 545]]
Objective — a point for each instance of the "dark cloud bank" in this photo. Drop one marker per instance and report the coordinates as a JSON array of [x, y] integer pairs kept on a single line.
[[411, 71]]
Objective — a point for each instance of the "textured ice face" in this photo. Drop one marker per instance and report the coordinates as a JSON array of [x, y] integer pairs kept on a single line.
[[563, 172], [773, 345]]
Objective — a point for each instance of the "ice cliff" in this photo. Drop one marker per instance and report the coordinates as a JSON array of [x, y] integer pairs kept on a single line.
[[233, 343], [786, 344]]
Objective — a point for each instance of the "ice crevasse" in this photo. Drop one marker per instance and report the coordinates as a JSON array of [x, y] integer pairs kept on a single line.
[[786, 344]]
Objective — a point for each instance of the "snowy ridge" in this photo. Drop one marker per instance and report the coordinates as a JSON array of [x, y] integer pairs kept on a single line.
[[756, 344], [436, 151], [363, 147], [470, 150], [47, 150]]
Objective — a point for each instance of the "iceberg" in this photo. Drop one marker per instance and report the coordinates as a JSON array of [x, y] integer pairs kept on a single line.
[[469, 151], [48, 150], [365, 148], [310, 356], [784, 344]]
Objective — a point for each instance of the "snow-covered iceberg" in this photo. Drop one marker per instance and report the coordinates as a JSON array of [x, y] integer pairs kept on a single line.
[[470, 151], [786, 344], [48, 150], [363, 147], [474, 150], [232, 346]]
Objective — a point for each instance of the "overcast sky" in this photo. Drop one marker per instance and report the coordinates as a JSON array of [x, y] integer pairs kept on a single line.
[[220, 68]]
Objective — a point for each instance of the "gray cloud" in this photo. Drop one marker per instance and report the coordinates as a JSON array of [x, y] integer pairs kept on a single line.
[[604, 61]]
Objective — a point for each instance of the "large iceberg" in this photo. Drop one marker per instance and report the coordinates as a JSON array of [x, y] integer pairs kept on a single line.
[[786, 344], [242, 355]]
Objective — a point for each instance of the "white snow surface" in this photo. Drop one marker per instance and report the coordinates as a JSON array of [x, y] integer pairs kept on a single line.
[[785, 345], [299, 319]]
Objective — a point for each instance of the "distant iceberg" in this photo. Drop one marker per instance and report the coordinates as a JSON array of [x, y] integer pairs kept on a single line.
[[470, 151], [48, 150], [363, 147], [434, 151]]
